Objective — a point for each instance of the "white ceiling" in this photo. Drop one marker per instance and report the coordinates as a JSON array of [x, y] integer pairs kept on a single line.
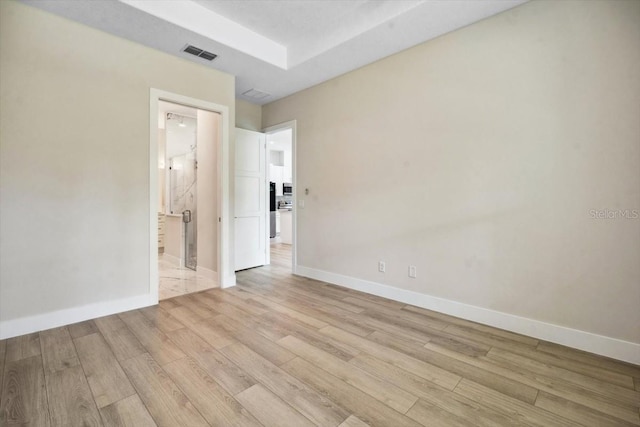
[[307, 28], [279, 46]]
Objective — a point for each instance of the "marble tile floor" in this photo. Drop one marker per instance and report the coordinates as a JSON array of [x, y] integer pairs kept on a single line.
[[176, 281]]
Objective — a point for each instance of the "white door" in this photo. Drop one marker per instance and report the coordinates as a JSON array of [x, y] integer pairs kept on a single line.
[[250, 199]]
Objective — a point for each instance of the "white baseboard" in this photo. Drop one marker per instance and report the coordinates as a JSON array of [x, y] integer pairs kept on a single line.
[[228, 281], [53, 319], [206, 272], [593, 343]]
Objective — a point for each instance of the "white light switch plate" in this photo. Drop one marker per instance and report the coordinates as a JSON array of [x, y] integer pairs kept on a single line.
[[412, 271]]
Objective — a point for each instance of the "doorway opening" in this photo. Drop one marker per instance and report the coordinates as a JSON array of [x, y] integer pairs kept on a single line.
[[178, 196], [178, 185], [188, 140], [281, 152]]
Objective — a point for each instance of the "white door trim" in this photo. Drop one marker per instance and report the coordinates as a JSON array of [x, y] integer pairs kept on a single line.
[[291, 124], [226, 274]]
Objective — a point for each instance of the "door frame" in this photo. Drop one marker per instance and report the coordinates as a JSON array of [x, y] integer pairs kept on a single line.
[[291, 124], [226, 274]]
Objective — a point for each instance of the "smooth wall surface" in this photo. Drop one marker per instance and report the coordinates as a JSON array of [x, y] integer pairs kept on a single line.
[[485, 159], [248, 115], [208, 133], [74, 167]]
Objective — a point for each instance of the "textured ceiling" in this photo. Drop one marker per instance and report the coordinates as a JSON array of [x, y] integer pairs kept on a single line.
[[279, 46]]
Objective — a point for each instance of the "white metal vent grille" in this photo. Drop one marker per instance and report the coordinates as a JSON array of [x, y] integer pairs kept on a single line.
[[256, 94]]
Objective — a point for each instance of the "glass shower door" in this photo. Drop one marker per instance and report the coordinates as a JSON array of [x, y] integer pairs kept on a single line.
[[183, 201], [190, 232]]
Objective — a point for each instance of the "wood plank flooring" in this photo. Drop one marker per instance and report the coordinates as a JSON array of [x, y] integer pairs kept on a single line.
[[281, 350]]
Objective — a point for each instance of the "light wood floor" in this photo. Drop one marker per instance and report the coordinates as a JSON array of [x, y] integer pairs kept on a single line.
[[280, 350]]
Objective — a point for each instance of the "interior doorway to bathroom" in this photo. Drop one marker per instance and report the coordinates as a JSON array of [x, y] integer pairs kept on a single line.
[[187, 199], [181, 182]]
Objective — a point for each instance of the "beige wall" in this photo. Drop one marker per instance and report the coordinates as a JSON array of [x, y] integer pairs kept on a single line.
[[207, 186], [478, 157], [248, 115], [74, 161]]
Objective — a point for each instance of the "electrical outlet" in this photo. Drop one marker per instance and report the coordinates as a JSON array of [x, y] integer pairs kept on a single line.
[[412, 271], [382, 267]]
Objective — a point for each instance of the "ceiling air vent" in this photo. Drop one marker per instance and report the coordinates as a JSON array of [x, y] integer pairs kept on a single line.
[[256, 94], [199, 52]]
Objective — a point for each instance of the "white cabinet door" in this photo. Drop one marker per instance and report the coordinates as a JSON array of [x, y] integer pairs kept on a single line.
[[250, 199]]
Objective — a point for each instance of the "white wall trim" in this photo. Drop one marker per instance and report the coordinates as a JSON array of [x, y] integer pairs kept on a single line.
[[598, 344], [154, 276], [228, 281], [39, 322]]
